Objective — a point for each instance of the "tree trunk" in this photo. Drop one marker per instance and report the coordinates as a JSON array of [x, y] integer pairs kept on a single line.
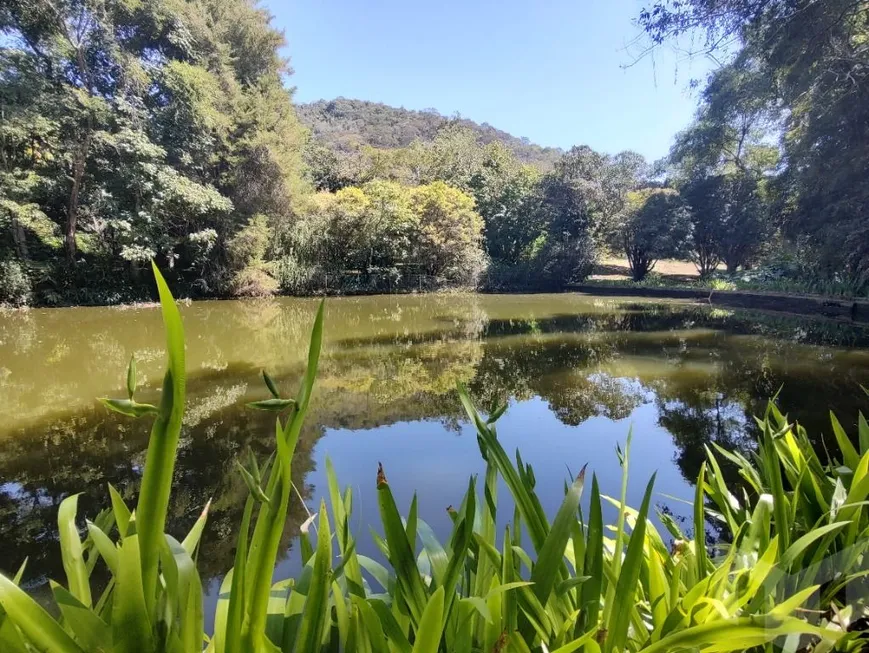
[[78, 166], [639, 264], [20, 240]]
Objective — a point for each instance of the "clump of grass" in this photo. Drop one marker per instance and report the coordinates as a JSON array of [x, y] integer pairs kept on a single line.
[[578, 585]]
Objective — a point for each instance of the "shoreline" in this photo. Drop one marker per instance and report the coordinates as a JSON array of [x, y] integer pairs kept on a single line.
[[835, 308]]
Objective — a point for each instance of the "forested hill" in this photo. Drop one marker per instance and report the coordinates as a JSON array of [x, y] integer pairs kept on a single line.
[[345, 124]]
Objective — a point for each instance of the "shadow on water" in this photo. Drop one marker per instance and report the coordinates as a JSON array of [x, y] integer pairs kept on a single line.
[[699, 373]]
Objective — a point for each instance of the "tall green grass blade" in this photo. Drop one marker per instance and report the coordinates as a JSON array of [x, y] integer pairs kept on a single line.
[[266, 541], [316, 605], [616, 563], [395, 635], [162, 446], [229, 638], [122, 513], [731, 635], [431, 625], [463, 535], [550, 558], [37, 626], [590, 593], [374, 627], [272, 517], [626, 587], [71, 551], [131, 621], [700, 523], [401, 555], [104, 546], [191, 541], [850, 457], [517, 481], [91, 632], [340, 513]]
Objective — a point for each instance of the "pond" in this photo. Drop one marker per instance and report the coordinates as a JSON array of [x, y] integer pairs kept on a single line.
[[578, 372]]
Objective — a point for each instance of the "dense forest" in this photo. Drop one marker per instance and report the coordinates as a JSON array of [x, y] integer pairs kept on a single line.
[[166, 130]]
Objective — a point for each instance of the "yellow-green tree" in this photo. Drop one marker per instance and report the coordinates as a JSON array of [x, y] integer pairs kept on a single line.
[[450, 233]]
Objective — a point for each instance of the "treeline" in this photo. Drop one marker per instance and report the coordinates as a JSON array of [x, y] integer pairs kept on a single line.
[[165, 130]]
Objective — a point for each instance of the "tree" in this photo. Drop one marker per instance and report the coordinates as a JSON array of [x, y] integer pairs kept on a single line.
[[144, 130], [809, 61], [562, 261], [730, 133], [654, 224], [730, 221], [506, 197], [572, 195], [450, 233]]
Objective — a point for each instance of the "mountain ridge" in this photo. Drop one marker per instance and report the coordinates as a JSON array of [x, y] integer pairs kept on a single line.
[[346, 123]]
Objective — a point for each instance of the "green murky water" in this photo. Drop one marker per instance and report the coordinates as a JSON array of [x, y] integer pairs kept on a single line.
[[578, 372]]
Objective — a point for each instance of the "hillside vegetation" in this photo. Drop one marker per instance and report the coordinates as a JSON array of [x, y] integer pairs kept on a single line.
[[347, 124], [166, 131]]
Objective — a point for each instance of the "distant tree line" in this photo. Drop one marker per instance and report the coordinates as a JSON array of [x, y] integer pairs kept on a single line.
[[166, 131]]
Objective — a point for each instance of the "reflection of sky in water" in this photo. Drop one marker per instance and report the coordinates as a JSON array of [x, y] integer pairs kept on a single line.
[[425, 458], [436, 463]]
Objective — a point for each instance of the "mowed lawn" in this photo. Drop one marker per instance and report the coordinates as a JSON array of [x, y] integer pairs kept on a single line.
[[616, 269]]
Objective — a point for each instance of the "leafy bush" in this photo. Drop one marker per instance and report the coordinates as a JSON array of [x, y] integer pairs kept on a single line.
[[294, 277], [15, 287], [254, 281], [731, 221], [796, 541], [563, 262]]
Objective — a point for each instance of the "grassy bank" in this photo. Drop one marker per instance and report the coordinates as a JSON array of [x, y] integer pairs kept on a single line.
[[787, 572], [614, 272]]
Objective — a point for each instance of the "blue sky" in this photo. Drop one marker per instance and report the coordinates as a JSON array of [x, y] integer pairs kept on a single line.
[[550, 70]]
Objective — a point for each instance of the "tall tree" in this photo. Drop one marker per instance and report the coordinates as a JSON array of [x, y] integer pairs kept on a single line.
[[654, 224], [730, 217]]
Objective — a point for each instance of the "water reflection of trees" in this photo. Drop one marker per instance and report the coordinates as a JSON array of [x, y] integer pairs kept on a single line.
[[707, 372], [86, 451]]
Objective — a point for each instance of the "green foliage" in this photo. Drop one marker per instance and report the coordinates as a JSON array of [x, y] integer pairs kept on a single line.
[[730, 220], [450, 233], [139, 131], [15, 286], [247, 253], [386, 234], [800, 72], [654, 224]]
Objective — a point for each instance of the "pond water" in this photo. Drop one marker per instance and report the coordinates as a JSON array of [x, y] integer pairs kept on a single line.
[[579, 372]]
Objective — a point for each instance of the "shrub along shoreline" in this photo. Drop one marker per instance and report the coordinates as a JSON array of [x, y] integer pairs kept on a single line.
[[790, 573]]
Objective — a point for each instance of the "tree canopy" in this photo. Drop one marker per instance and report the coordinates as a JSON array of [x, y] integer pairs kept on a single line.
[[140, 131], [801, 69]]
